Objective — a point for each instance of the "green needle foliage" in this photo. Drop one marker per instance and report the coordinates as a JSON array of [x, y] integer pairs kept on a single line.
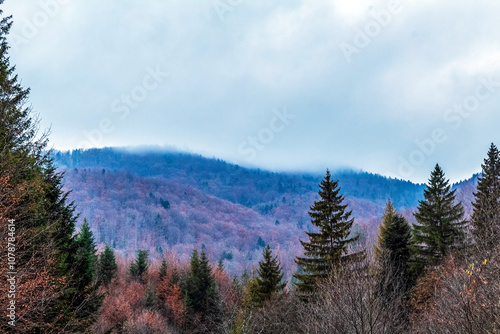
[[269, 280], [139, 266], [392, 253], [163, 269], [106, 266], [201, 295], [440, 224], [85, 257], [328, 248], [485, 218]]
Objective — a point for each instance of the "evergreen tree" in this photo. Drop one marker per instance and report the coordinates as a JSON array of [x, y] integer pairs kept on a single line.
[[201, 296], [389, 213], [106, 268], [80, 300], [46, 248], [252, 296], [440, 224], [176, 278], [151, 302], [486, 216], [85, 257], [62, 218], [328, 248], [269, 279], [245, 278], [163, 269], [220, 265], [139, 266], [392, 253]]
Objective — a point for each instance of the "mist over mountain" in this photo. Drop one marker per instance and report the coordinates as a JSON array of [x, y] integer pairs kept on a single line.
[[172, 201]]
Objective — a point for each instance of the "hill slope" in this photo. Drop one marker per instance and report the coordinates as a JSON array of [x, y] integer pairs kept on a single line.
[[176, 201]]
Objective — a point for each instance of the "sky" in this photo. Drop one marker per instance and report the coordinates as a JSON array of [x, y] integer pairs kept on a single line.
[[390, 87]]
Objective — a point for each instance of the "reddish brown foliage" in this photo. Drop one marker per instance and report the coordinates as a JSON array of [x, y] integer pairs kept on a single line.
[[147, 322], [228, 293], [171, 295], [124, 301], [36, 287]]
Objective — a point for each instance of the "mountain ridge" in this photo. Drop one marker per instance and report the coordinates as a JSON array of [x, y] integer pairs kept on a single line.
[[175, 201]]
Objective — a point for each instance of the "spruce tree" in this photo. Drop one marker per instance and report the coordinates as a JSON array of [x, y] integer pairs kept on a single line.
[[139, 266], [220, 265], [62, 218], [151, 300], [106, 267], [83, 276], [163, 269], [392, 254], [252, 296], [270, 278], [328, 248], [389, 213], [85, 257], [485, 219], [175, 278], [440, 224], [46, 247], [201, 295]]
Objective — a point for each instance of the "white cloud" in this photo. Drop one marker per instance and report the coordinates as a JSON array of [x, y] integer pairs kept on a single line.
[[227, 76]]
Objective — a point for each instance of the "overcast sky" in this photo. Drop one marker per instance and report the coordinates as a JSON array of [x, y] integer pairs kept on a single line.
[[390, 87]]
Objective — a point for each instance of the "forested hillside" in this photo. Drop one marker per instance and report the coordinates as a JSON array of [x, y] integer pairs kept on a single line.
[[177, 201]]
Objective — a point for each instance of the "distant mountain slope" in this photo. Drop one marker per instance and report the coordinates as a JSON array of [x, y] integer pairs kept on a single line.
[[177, 201]]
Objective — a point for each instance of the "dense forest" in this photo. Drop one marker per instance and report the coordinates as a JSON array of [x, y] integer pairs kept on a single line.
[[96, 242], [163, 201]]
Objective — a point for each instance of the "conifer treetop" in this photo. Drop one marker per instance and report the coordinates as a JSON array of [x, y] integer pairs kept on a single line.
[[329, 246]]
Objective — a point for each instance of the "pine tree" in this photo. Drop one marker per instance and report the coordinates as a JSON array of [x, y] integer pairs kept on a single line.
[[201, 296], [151, 301], [85, 257], [389, 213], [220, 265], [270, 278], [485, 219], [392, 254], [440, 224], [62, 218], [80, 293], [139, 266], [175, 278], [106, 267], [328, 248], [46, 248], [252, 296], [163, 269]]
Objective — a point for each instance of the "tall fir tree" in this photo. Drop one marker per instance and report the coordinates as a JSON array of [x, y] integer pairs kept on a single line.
[[45, 246], [485, 219], [62, 217], [392, 254], [329, 247], [269, 278], [389, 213], [151, 299], [163, 269], [139, 266], [85, 257], [201, 295], [440, 224], [83, 276], [106, 266]]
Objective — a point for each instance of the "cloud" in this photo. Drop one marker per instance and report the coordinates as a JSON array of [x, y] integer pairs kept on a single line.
[[231, 63]]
